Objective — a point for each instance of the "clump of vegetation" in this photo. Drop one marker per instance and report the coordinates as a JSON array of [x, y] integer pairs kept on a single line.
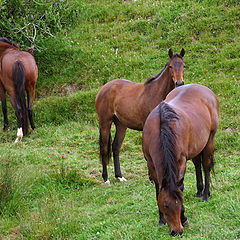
[[27, 22], [10, 190]]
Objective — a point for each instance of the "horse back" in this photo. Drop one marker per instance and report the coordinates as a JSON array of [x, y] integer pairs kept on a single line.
[[198, 109]]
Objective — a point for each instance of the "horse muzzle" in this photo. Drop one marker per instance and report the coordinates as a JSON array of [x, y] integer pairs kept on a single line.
[[175, 233], [179, 84]]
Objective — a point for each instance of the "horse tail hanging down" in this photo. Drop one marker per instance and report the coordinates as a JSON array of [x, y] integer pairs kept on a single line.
[[105, 154], [167, 139], [18, 76]]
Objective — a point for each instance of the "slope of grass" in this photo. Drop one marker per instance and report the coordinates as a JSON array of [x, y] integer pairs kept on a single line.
[[50, 183]]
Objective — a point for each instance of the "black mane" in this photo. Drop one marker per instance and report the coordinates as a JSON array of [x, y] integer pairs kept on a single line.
[[150, 79], [167, 137], [5, 40]]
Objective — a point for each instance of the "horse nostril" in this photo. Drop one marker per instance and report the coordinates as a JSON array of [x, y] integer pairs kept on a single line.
[[181, 232], [173, 233]]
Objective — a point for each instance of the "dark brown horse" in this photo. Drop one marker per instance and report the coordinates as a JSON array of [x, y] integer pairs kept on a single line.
[[180, 128], [18, 72], [128, 104]]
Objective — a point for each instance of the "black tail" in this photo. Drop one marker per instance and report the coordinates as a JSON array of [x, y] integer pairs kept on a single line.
[[105, 155], [18, 76], [167, 137]]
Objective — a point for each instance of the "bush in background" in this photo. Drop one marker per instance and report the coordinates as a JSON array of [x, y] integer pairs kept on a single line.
[[27, 22]]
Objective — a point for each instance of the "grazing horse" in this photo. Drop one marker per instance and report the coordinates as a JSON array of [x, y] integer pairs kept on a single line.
[[128, 104], [180, 128], [18, 72]]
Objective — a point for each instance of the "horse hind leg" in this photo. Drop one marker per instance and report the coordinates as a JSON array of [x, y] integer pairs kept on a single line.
[[208, 163], [117, 143], [197, 162], [30, 98], [4, 106], [17, 108]]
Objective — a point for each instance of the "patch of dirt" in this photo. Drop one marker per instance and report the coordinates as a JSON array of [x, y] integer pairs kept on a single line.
[[61, 91]]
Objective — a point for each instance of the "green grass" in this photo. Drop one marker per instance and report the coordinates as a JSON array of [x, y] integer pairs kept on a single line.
[[47, 196]]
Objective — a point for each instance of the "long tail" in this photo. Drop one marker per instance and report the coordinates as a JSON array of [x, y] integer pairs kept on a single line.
[[105, 155], [167, 137], [18, 76]]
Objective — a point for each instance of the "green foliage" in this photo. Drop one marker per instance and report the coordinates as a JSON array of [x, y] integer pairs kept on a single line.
[[28, 22]]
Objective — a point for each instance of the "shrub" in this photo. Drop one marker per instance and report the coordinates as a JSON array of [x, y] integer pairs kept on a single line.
[[27, 22]]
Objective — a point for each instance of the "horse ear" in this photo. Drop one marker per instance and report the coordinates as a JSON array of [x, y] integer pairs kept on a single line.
[[182, 52], [170, 53]]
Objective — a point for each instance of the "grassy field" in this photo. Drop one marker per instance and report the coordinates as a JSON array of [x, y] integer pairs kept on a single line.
[[50, 183]]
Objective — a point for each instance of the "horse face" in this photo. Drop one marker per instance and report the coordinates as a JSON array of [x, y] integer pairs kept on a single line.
[[171, 209], [176, 67]]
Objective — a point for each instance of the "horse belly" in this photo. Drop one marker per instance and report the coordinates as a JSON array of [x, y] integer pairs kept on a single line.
[[130, 120], [197, 143]]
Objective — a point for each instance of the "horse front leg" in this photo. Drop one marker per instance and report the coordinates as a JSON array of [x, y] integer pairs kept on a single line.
[[117, 143]]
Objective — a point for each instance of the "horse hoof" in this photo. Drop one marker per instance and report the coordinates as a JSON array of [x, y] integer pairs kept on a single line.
[[5, 128], [122, 179], [18, 139], [198, 195], [19, 135], [107, 182]]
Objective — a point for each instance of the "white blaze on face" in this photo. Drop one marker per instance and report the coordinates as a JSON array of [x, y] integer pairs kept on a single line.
[[19, 135]]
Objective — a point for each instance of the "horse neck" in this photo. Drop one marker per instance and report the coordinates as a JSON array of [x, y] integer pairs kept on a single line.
[[159, 88]]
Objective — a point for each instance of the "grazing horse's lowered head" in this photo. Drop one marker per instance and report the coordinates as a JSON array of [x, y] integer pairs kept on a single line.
[[170, 202]]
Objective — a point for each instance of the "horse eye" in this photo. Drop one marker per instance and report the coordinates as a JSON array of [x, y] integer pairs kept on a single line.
[[170, 66]]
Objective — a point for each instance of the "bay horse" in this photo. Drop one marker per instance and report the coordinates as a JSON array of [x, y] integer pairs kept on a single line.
[[180, 128], [128, 104], [18, 72]]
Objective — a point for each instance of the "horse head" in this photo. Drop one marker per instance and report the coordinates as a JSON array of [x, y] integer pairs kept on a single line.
[[176, 67], [170, 204]]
